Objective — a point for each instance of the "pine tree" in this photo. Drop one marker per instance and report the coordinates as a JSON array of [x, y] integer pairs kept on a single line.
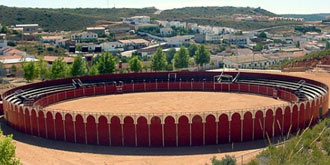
[[202, 56], [79, 67], [135, 64], [158, 60], [106, 63], [181, 58]]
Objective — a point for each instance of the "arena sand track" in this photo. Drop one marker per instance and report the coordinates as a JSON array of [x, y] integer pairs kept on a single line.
[[34, 150], [159, 102]]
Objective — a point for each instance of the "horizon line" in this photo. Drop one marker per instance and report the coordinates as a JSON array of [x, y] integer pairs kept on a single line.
[[159, 9]]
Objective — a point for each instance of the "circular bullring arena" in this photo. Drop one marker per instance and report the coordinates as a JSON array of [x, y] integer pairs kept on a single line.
[[167, 108]]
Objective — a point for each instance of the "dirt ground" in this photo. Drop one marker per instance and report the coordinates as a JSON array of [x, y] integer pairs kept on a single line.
[[159, 102], [33, 150]]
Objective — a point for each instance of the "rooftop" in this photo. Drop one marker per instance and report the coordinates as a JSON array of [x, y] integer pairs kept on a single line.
[[52, 37], [246, 58], [96, 28], [53, 58], [26, 25]]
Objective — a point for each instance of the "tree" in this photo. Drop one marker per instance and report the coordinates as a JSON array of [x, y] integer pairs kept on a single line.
[[192, 49], [93, 71], [327, 45], [106, 63], [135, 64], [181, 58], [3, 29], [30, 71], [298, 44], [145, 68], [79, 67], [59, 69], [227, 160], [258, 47], [170, 55], [202, 56], [158, 60], [42, 68], [7, 150], [262, 35]]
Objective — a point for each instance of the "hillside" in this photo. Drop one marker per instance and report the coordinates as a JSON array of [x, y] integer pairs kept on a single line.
[[309, 17], [212, 12], [65, 19], [311, 146], [79, 18], [310, 60], [221, 16]]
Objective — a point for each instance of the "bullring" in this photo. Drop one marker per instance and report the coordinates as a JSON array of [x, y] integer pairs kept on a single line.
[[26, 109]]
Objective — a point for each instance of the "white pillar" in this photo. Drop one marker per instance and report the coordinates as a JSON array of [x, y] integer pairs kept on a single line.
[[74, 129], [45, 117], [242, 128], [163, 134], [217, 130], [31, 126], [190, 136], [203, 133], [176, 134], [109, 128], [37, 122], [64, 131], [149, 137], [54, 118], [122, 133], [97, 132], [253, 128], [85, 132], [135, 134]]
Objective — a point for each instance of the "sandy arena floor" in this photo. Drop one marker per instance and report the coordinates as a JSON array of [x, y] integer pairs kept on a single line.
[[158, 102], [33, 150]]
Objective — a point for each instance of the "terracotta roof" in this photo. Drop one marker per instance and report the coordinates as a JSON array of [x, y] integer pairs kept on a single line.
[[53, 58], [52, 37], [12, 51]]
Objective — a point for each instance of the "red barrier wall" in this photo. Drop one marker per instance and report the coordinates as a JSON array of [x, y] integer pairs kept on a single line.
[[129, 132], [156, 136], [223, 129], [197, 131], [170, 131], [183, 131], [69, 128], [116, 131], [210, 130], [247, 126], [103, 130], [235, 126], [80, 129], [142, 132], [259, 125], [91, 130]]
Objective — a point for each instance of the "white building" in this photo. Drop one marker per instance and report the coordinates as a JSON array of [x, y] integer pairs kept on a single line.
[[238, 40], [137, 20], [178, 40], [112, 46], [246, 61], [202, 38], [84, 36], [3, 41], [50, 39], [176, 24], [167, 31], [28, 28], [98, 30]]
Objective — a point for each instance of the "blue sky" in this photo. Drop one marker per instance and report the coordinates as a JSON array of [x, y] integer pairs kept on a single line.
[[276, 6]]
